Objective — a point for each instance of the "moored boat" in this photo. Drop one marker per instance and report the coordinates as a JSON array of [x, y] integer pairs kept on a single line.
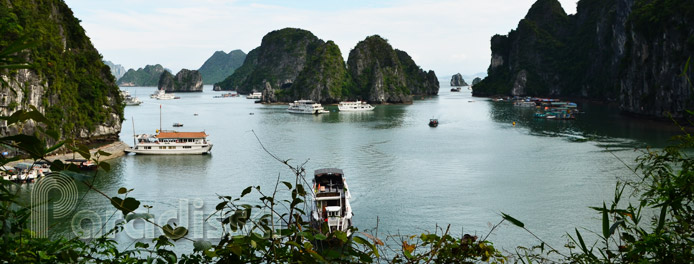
[[177, 124], [255, 95], [171, 143], [162, 95], [331, 201], [306, 107], [433, 122], [355, 106]]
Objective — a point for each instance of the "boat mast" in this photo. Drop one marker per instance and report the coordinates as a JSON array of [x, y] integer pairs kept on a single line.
[[134, 136], [160, 118]]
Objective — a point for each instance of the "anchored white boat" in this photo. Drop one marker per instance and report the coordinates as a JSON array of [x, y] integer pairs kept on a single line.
[[355, 106], [331, 201], [162, 95], [254, 96], [306, 107], [169, 142]]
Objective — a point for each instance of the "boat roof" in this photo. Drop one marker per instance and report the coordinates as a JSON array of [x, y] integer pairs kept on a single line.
[[328, 171], [176, 134]]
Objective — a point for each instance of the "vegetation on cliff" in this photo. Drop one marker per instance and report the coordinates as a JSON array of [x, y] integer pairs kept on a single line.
[[629, 51], [184, 81], [221, 65], [147, 76], [66, 79], [293, 64]]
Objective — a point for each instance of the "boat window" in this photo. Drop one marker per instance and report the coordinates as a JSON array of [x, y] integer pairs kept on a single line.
[[186, 147]]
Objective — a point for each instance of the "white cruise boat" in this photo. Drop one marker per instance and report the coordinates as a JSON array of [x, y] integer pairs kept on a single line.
[[331, 201], [169, 142], [254, 96], [162, 95], [306, 107], [354, 106]]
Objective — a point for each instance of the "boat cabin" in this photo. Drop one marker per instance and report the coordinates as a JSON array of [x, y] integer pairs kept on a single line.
[[332, 199]]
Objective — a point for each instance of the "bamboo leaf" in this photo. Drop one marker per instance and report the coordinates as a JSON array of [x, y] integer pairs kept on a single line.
[[661, 220], [605, 222], [246, 191], [513, 220], [581, 242]]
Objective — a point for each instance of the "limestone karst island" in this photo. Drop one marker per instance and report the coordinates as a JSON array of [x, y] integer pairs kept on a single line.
[[549, 131]]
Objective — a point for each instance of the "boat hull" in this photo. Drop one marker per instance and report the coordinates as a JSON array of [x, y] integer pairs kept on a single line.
[[153, 151]]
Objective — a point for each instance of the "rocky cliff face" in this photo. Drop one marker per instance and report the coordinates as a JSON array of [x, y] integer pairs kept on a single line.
[[382, 74], [116, 69], [147, 76], [629, 51], [278, 61], [293, 64], [184, 81], [221, 65], [476, 80], [68, 81], [457, 80]]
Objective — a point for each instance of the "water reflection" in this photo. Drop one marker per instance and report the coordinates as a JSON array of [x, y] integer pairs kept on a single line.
[[598, 122]]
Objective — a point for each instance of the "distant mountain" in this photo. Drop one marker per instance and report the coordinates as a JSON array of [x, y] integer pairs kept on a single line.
[[221, 65], [149, 76], [293, 64], [116, 69]]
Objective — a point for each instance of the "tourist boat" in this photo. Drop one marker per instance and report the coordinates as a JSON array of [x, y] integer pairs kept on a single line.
[[177, 124], [27, 172], [255, 95], [132, 101], [433, 122], [331, 201], [524, 103], [306, 107], [162, 95], [455, 89], [82, 164], [169, 142], [354, 106]]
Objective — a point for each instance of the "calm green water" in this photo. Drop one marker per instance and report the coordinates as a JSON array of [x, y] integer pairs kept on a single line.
[[411, 177]]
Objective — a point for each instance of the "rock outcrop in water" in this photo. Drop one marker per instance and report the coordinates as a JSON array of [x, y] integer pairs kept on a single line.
[[221, 65], [476, 80], [457, 80], [293, 64], [68, 81], [629, 51], [382, 74], [184, 81], [147, 76]]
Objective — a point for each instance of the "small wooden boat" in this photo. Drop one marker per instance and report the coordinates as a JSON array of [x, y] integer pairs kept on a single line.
[[433, 122], [177, 124]]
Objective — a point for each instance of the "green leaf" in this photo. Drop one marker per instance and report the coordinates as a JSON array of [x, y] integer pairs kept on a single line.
[[126, 206], [105, 166], [103, 153], [122, 190], [580, 240], [220, 206], [320, 236], [246, 191], [175, 234], [661, 220], [289, 185], [513, 220], [201, 245], [605, 222]]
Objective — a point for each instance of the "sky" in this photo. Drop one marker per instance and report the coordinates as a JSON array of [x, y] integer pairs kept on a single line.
[[447, 36]]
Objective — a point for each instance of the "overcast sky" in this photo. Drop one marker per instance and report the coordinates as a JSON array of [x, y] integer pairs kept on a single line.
[[445, 36]]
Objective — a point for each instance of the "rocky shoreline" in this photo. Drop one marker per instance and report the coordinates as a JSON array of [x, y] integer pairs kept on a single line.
[[116, 149]]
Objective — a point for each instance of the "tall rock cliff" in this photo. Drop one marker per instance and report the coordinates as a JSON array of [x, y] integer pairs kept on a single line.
[[221, 65], [629, 51], [382, 74], [293, 64], [280, 58], [67, 81], [184, 81], [457, 80], [147, 76]]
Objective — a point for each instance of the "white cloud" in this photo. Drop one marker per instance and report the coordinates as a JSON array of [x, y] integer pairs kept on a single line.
[[446, 36]]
